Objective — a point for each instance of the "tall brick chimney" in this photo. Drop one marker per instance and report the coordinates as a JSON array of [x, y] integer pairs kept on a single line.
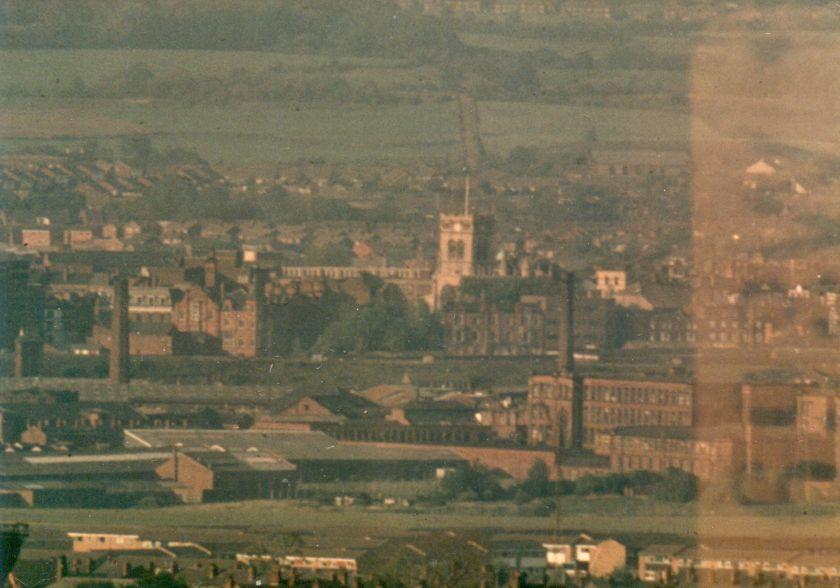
[[566, 340], [119, 361], [566, 358]]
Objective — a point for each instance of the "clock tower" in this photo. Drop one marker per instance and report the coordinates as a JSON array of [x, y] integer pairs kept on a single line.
[[464, 247]]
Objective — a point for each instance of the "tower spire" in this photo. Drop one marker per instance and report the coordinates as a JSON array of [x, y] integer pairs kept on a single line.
[[467, 195]]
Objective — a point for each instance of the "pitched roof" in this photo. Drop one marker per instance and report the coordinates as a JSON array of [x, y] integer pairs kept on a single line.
[[348, 405], [390, 395], [49, 466]]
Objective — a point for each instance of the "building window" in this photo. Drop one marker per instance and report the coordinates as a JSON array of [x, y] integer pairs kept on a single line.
[[195, 312], [455, 249]]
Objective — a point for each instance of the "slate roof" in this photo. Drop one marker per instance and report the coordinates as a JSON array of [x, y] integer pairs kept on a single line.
[[348, 405], [222, 461], [45, 467]]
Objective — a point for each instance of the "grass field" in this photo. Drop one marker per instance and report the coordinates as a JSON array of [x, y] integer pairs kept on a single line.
[[43, 70], [258, 132], [605, 515], [250, 132], [570, 45], [239, 132], [627, 80], [263, 132], [505, 125]]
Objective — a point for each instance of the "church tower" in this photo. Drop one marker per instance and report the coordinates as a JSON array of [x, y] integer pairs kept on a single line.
[[465, 246]]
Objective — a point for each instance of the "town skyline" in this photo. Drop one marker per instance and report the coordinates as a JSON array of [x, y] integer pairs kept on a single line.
[[419, 293]]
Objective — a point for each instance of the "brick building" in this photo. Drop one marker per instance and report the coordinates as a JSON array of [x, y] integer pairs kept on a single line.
[[317, 456], [786, 424], [735, 566], [332, 408], [564, 411], [16, 303], [143, 338], [212, 476], [706, 454], [485, 329], [57, 420], [36, 239], [524, 315], [221, 314]]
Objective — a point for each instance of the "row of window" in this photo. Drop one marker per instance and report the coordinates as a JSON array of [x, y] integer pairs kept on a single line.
[[151, 301], [636, 395], [667, 445], [634, 416], [646, 462], [551, 392]]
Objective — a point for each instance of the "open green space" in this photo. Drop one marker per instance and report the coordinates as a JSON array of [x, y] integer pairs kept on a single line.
[[506, 125], [249, 132], [604, 515], [42, 70]]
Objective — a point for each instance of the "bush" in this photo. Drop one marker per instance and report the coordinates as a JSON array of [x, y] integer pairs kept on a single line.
[[537, 484], [676, 486], [475, 481]]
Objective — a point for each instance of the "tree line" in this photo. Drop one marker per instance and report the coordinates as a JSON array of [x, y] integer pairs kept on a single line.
[[356, 27]]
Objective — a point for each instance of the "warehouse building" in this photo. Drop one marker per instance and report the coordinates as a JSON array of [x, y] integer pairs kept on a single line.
[[316, 456]]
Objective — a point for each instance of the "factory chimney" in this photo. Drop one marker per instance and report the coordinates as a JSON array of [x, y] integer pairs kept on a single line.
[[566, 360], [119, 361], [566, 340]]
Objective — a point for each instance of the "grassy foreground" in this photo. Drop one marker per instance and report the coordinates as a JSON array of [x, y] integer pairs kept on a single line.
[[604, 515]]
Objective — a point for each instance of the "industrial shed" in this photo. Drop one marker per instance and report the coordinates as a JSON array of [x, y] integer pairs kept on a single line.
[[317, 456]]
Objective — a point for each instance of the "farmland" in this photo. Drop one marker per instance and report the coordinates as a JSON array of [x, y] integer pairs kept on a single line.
[[276, 96], [252, 132], [38, 110], [42, 69], [259, 132], [506, 125], [42, 105]]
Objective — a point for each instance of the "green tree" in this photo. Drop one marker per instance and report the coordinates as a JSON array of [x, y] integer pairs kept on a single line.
[[387, 323], [676, 486], [538, 483], [474, 481], [147, 579]]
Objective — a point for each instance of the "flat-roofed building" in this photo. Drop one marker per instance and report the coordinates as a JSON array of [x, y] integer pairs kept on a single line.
[[215, 475], [317, 456]]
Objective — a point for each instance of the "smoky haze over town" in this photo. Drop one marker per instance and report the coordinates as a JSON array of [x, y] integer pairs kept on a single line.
[[403, 293]]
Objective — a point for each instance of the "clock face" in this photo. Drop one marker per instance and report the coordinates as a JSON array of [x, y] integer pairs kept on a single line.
[[457, 226]]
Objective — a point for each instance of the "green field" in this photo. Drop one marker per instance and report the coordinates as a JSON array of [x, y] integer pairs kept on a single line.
[[251, 132], [597, 46], [43, 70], [505, 125], [231, 132], [258, 132], [603, 515], [613, 81]]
